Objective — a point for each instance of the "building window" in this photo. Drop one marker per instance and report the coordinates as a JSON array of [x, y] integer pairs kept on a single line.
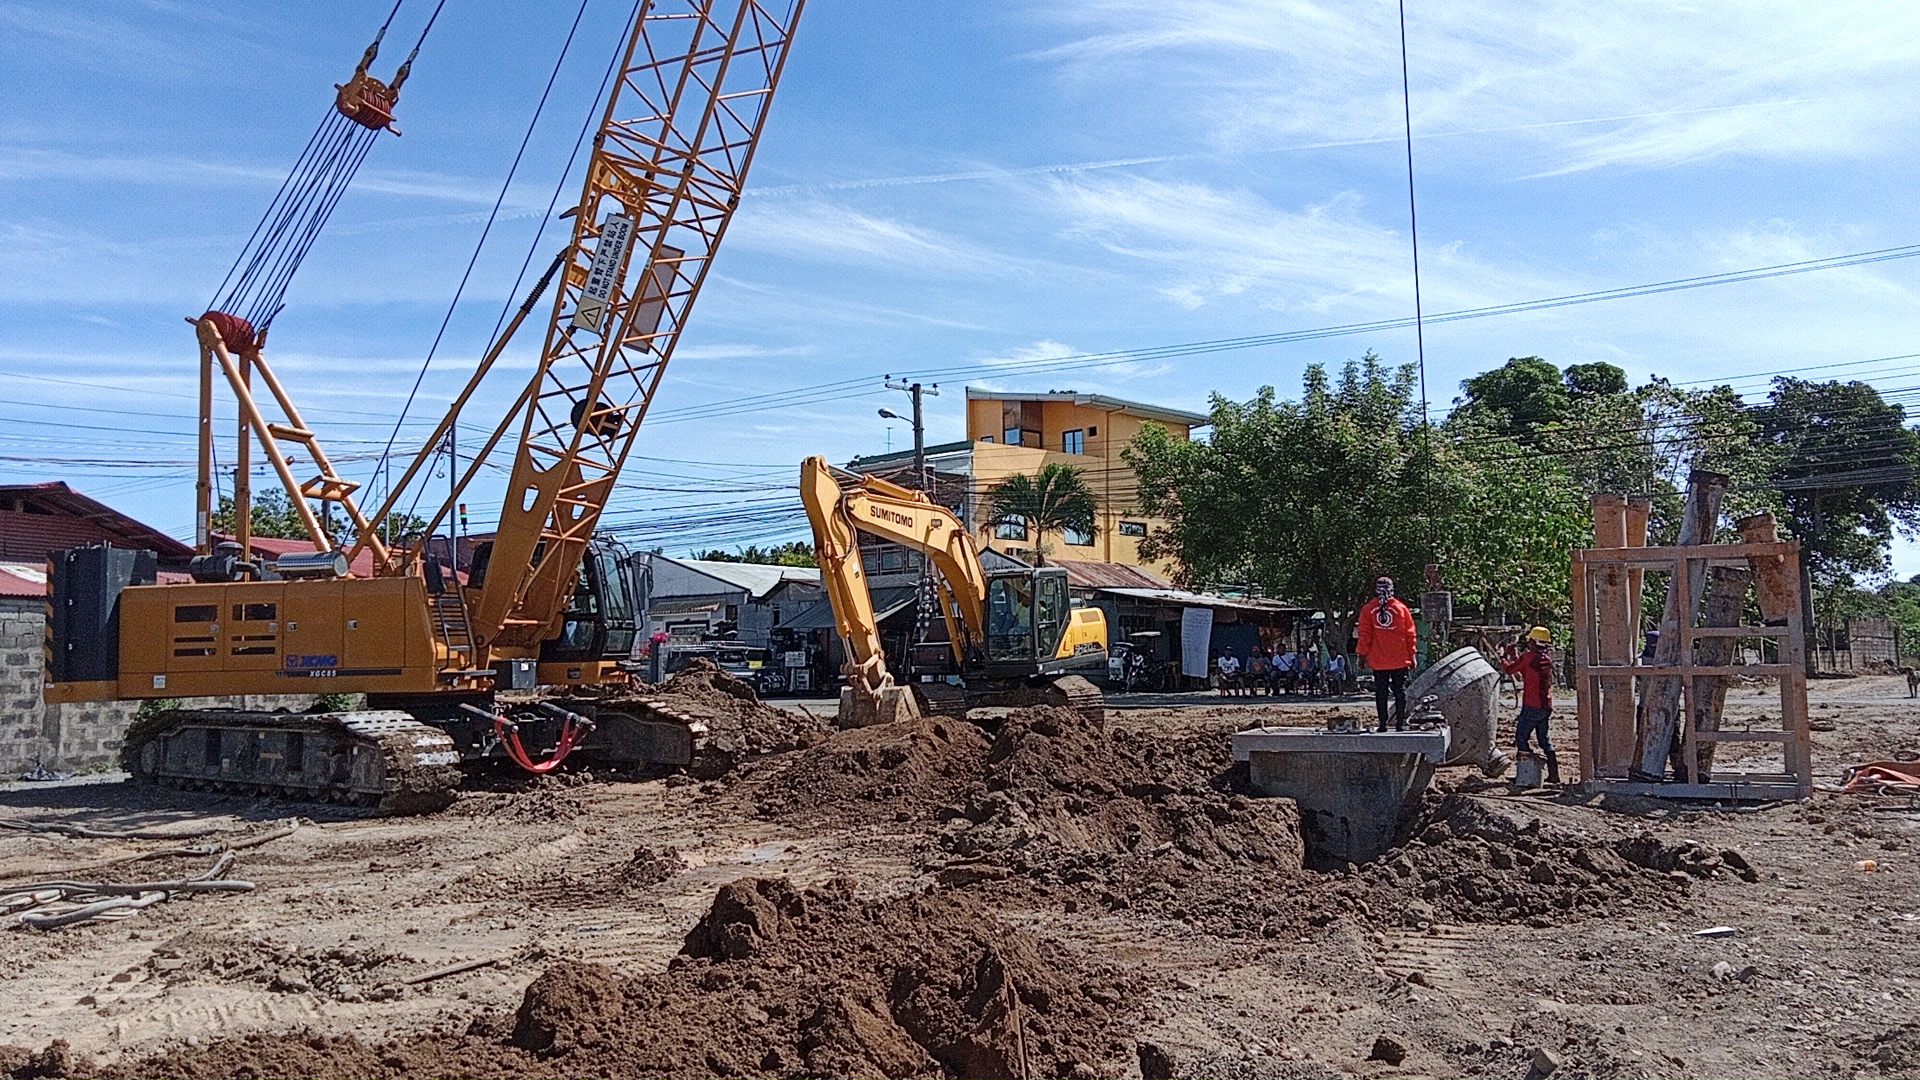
[[1077, 537], [986, 438], [1092, 430], [1011, 436], [890, 559], [1011, 528], [1073, 441], [733, 613], [1133, 528]]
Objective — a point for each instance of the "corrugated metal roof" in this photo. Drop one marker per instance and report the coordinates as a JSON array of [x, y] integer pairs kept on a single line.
[[887, 603], [758, 579], [1212, 600], [1085, 574], [39, 519], [23, 580]]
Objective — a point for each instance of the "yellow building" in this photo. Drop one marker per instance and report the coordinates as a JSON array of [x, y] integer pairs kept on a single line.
[[1022, 433]]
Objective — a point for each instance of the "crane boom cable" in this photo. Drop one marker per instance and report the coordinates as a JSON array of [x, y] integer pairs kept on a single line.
[[254, 287], [481, 243]]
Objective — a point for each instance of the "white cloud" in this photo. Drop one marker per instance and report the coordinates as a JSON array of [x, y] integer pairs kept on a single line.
[[824, 232], [1821, 80], [1210, 243]]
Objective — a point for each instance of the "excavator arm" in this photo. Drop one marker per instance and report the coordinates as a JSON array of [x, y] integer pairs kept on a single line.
[[839, 513]]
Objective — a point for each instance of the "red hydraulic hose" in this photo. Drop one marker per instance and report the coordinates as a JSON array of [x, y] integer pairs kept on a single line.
[[510, 738]]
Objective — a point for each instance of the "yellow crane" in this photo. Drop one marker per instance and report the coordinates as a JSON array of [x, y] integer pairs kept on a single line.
[[546, 608], [1014, 636]]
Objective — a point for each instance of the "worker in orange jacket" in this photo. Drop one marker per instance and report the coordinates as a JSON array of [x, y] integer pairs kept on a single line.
[[1388, 643]]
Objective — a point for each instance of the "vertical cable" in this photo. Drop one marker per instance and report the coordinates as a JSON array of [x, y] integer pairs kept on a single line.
[[1419, 319]]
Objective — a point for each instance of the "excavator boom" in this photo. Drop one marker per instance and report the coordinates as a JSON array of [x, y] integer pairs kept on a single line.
[[1015, 634]]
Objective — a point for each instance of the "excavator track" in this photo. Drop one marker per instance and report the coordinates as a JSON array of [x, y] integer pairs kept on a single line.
[[1063, 691], [383, 759], [1079, 694]]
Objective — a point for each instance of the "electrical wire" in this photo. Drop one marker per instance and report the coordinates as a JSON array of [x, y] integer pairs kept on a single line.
[[487, 229]]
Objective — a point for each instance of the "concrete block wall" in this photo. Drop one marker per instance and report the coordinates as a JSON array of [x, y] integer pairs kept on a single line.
[[63, 737], [67, 738]]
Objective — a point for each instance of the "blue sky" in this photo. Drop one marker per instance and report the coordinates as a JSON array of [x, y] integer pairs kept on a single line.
[[961, 186]]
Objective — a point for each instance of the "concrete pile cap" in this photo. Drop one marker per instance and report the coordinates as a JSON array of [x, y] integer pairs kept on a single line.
[[1430, 743]]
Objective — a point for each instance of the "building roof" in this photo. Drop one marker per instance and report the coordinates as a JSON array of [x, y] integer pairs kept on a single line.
[[38, 519], [1086, 574], [888, 601], [868, 463], [1207, 600], [1099, 401], [23, 580], [758, 579]]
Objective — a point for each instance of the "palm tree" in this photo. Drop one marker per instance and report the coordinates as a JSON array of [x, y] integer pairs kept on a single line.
[[1056, 499]]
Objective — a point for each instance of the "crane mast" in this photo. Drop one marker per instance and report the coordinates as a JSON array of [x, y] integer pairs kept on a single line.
[[669, 163], [668, 166]]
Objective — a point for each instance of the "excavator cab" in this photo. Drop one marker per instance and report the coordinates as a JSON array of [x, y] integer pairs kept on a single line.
[[1033, 627]]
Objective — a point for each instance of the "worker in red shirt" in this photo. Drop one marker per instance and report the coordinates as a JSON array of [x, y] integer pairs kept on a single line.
[[1388, 643], [1534, 665]]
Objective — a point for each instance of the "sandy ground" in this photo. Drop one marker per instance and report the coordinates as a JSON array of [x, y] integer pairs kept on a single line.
[[1385, 972]]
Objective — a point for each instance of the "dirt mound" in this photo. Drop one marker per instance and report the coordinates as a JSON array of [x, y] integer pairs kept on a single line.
[[649, 867], [1481, 860], [554, 796], [734, 725], [56, 1060], [1063, 800], [772, 980], [1068, 811], [892, 768]]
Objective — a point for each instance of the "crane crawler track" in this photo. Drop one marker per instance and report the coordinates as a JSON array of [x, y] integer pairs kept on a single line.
[[383, 759]]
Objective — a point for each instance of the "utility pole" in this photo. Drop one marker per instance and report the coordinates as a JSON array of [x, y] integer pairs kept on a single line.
[[918, 390], [928, 605]]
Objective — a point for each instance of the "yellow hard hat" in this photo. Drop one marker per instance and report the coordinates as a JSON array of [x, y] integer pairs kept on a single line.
[[1540, 634]]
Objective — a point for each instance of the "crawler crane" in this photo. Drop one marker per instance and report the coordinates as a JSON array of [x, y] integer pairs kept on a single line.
[[515, 661]]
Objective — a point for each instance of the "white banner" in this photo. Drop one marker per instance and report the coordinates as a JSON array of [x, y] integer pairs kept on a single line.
[[1196, 634]]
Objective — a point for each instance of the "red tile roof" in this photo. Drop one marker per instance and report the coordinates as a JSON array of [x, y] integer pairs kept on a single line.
[[23, 580], [39, 519]]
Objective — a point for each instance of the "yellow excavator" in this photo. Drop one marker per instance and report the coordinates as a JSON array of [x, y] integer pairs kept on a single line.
[[506, 663], [1014, 636]]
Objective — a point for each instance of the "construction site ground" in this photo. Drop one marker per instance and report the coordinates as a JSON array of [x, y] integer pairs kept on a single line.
[[1058, 900]]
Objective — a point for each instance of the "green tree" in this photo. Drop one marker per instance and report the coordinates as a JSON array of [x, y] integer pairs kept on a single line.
[[1517, 398], [1848, 471], [793, 553], [1055, 499], [1514, 514], [272, 514], [1597, 379], [1309, 500]]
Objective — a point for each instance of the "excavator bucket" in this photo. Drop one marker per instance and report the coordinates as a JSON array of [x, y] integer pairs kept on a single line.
[[882, 706]]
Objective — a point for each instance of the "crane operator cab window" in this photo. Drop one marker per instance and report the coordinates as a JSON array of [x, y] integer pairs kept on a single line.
[[1010, 618]]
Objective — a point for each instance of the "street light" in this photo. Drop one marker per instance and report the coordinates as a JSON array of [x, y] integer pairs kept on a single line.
[[889, 414]]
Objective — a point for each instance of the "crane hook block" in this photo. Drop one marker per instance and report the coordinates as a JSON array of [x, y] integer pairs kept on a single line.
[[367, 101]]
